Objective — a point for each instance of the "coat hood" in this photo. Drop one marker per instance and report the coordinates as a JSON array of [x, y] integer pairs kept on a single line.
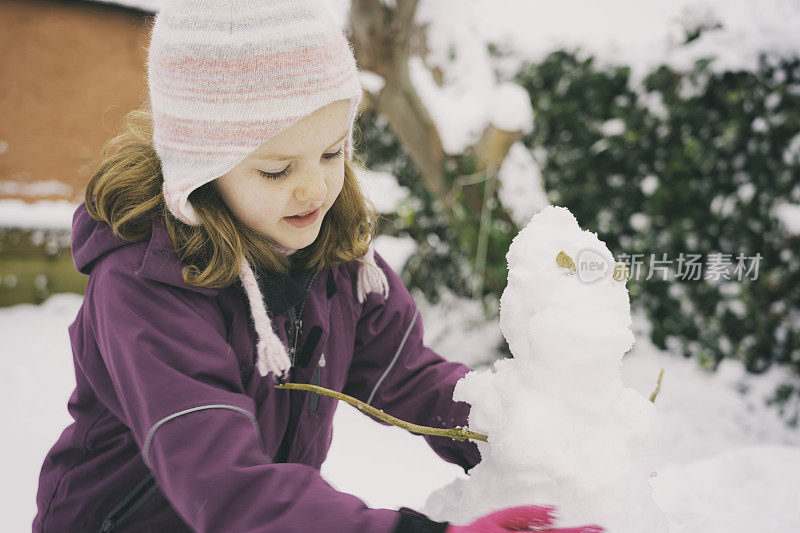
[[92, 239]]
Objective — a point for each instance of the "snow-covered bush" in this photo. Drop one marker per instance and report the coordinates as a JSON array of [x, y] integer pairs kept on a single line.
[[702, 162], [440, 259]]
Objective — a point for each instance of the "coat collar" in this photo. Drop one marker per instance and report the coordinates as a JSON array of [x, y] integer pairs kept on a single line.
[[281, 291], [161, 264]]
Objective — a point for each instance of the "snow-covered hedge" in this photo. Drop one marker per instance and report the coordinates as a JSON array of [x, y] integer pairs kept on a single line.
[[697, 162]]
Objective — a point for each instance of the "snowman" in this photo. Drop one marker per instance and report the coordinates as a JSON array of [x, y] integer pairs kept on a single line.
[[562, 428]]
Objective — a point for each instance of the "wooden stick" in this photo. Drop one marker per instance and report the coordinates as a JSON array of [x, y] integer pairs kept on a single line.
[[457, 433], [658, 387]]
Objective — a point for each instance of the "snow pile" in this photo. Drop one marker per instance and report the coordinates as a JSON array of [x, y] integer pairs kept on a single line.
[[705, 413], [42, 214], [729, 463], [562, 428], [751, 488]]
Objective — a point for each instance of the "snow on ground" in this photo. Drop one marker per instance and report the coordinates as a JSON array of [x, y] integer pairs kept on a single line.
[[728, 463], [723, 453], [36, 384], [708, 428], [741, 489], [704, 413]]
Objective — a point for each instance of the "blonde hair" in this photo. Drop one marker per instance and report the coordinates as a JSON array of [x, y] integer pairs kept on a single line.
[[126, 193]]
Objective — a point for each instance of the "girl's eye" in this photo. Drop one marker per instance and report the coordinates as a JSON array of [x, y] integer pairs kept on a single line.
[[334, 155], [285, 171], [274, 175]]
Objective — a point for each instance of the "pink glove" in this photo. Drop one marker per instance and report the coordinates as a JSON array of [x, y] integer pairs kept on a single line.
[[522, 518]]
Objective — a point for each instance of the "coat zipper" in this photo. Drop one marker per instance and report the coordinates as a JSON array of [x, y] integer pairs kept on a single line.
[[314, 399], [298, 325], [130, 503], [298, 322]]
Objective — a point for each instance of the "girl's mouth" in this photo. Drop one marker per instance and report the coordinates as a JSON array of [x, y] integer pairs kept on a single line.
[[301, 221]]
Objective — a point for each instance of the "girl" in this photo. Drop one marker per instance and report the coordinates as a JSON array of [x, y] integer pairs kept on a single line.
[[227, 246]]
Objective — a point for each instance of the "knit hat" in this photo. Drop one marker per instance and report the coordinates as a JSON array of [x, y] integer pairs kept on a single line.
[[224, 77]]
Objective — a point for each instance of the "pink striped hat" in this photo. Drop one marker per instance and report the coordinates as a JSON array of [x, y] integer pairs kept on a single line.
[[224, 78]]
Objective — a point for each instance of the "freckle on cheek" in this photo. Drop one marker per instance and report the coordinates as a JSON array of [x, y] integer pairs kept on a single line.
[[270, 205]]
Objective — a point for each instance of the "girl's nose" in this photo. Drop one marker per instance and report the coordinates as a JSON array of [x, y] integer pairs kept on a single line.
[[313, 188]]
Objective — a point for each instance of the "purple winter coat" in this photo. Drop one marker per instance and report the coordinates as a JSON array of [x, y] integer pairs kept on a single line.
[[175, 431]]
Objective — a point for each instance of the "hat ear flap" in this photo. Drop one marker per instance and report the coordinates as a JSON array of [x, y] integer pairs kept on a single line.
[[371, 277], [272, 356]]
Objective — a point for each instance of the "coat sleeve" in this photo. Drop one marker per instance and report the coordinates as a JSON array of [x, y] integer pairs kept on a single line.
[[394, 371], [169, 374]]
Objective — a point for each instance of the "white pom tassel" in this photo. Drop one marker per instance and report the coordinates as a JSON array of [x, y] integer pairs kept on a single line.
[[371, 277], [272, 356]]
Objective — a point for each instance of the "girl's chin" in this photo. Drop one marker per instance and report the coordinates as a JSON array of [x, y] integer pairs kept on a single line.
[[296, 244]]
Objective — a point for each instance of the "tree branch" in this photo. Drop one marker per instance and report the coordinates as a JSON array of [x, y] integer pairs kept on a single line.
[[457, 433]]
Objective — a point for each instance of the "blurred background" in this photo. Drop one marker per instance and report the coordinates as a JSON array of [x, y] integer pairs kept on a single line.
[[667, 128]]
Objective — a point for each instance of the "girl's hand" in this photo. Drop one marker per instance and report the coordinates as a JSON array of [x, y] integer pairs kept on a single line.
[[521, 518]]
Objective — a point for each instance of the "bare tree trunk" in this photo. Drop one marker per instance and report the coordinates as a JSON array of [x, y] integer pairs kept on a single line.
[[384, 38]]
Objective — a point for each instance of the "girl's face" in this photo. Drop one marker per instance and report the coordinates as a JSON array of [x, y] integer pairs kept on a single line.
[[299, 170]]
